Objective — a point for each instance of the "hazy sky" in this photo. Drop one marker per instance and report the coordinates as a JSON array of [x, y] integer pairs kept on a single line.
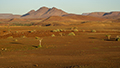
[[71, 6]]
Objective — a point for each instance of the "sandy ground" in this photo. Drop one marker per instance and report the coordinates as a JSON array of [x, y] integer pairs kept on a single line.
[[84, 50]]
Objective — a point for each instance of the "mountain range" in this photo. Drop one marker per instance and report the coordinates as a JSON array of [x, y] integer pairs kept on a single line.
[[45, 12], [107, 15]]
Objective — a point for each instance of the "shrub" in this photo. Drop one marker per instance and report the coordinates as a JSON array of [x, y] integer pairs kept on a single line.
[[53, 35], [75, 30], [108, 36], [71, 34], [15, 40], [32, 31], [54, 30], [93, 31], [117, 38], [16, 31], [39, 46], [37, 38], [23, 36], [61, 30], [83, 30], [10, 37], [57, 30]]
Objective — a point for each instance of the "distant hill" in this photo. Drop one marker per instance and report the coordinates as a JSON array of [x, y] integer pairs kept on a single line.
[[2, 16], [44, 12], [108, 15]]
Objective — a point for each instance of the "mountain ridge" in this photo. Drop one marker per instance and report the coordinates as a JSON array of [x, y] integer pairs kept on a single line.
[[107, 15], [44, 12]]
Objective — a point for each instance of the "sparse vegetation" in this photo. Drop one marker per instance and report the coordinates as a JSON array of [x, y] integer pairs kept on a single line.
[[16, 31], [56, 44], [54, 30], [117, 38], [93, 31], [108, 36], [15, 40], [36, 37], [71, 34], [83, 30], [10, 37], [20, 24], [75, 30], [31, 31], [40, 41], [53, 35], [58, 30], [23, 36]]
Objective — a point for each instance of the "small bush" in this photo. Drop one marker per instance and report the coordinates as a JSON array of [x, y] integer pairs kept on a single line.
[[83, 30], [36, 37], [61, 30], [75, 30], [53, 35], [16, 31], [108, 36], [23, 36], [10, 37], [39, 25], [54, 30], [57, 30], [39, 46], [71, 34], [32, 31], [117, 38], [16, 40], [93, 31]]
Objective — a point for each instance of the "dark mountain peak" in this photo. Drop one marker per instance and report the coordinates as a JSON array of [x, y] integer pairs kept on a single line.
[[30, 12]]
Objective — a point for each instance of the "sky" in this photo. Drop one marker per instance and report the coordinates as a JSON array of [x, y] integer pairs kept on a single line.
[[71, 6]]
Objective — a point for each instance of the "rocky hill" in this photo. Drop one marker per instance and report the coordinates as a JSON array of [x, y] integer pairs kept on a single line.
[[44, 12]]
